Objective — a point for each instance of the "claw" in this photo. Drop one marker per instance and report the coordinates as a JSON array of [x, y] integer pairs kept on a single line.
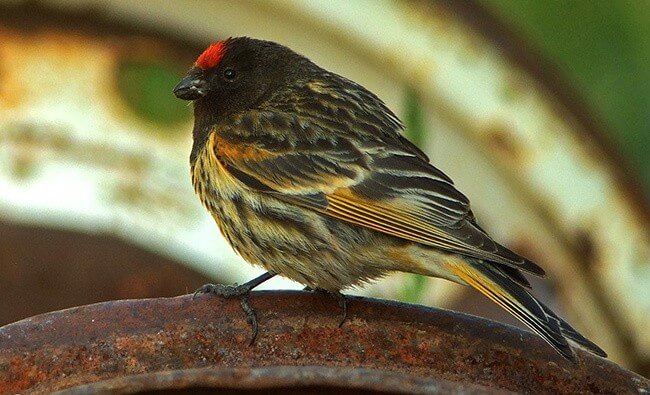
[[229, 291], [343, 303], [204, 289], [342, 299], [250, 317]]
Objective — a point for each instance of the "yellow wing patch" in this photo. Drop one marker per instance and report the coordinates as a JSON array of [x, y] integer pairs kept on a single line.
[[388, 219]]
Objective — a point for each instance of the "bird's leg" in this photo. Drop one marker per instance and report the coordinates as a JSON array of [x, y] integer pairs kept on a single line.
[[343, 304], [342, 299], [229, 291]]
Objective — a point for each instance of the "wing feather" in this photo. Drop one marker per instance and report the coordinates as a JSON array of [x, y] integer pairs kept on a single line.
[[380, 183]]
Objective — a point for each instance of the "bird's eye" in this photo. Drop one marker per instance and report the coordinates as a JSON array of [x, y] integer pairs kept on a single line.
[[229, 74]]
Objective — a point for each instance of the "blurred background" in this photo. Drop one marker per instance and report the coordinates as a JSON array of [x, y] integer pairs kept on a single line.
[[540, 111]]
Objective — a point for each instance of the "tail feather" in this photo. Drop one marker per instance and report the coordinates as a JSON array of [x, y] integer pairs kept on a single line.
[[573, 335], [511, 296], [516, 276]]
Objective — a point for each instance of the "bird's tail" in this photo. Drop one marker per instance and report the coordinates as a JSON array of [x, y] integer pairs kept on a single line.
[[573, 335], [488, 279]]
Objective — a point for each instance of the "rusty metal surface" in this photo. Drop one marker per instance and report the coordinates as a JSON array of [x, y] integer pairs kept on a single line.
[[108, 343]]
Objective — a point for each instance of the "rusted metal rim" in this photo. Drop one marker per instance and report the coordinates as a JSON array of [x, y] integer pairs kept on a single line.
[[147, 342], [277, 378]]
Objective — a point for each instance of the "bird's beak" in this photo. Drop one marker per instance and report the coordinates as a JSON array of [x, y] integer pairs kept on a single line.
[[191, 87]]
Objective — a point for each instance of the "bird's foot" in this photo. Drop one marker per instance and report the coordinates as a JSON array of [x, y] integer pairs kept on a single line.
[[242, 291], [229, 291], [343, 304], [342, 300], [226, 291]]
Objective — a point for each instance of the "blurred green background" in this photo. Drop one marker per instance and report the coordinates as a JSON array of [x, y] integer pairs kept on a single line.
[[602, 48]]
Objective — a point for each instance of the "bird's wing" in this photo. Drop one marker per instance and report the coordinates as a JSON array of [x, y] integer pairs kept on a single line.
[[379, 183]]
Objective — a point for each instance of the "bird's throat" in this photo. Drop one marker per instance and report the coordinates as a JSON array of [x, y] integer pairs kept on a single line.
[[203, 125]]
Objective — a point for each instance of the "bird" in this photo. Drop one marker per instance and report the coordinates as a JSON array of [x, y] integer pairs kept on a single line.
[[309, 176]]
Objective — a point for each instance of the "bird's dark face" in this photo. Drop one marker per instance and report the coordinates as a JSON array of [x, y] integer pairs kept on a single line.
[[235, 74]]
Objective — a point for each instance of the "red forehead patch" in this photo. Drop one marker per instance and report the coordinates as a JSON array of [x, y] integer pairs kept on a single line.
[[212, 55]]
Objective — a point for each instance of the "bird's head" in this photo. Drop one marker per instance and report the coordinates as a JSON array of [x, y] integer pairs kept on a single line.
[[234, 74]]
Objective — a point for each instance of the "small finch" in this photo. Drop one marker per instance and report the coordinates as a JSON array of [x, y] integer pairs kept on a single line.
[[307, 175]]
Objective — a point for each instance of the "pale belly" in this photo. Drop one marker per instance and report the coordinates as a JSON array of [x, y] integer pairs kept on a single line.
[[291, 241]]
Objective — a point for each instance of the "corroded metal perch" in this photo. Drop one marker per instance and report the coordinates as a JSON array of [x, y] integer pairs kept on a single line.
[[138, 345]]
